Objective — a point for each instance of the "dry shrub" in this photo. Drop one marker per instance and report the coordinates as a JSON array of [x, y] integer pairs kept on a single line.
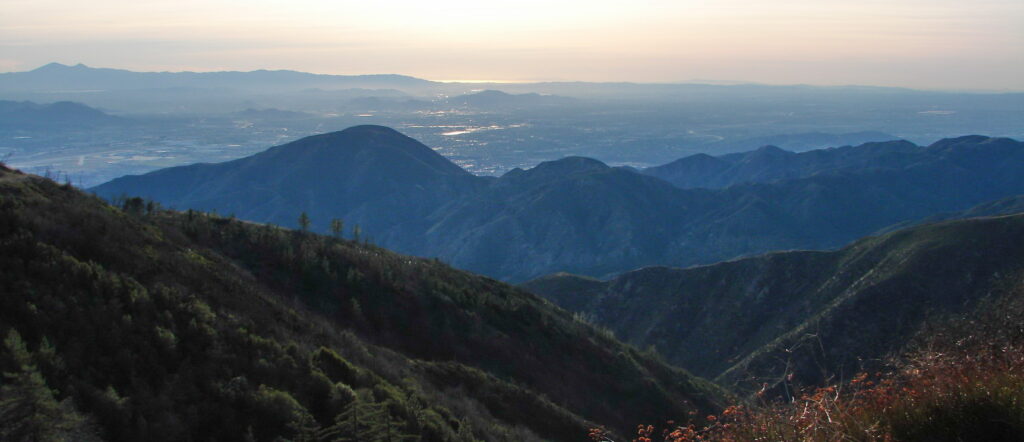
[[961, 380]]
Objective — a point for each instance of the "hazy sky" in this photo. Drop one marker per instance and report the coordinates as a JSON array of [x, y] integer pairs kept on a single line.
[[963, 44]]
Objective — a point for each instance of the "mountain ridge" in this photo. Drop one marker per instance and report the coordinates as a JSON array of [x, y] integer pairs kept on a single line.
[[349, 168], [20, 115], [581, 216], [82, 77], [808, 313]]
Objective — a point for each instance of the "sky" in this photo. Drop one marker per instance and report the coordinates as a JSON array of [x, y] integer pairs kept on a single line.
[[929, 44]]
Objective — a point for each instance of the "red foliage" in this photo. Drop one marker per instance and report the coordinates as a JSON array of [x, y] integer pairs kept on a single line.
[[869, 407]]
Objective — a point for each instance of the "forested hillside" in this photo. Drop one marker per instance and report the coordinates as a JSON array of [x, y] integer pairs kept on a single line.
[[803, 315], [135, 323]]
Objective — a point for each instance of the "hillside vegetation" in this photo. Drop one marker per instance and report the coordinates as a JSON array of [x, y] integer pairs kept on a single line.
[[960, 379], [133, 323], [802, 316]]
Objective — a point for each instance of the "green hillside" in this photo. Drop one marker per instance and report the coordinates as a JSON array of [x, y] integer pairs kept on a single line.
[[134, 323], [808, 314]]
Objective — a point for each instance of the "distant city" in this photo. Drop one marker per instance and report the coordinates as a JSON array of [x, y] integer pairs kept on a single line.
[[147, 121]]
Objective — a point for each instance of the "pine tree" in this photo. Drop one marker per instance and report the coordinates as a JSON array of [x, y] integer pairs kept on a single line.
[[28, 409], [337, 227], [365, 421], [306, 429], [304, 222]]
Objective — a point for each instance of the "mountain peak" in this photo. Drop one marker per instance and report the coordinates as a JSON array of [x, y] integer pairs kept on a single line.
[[973, 145], [557, 170], [699, 159], [370, 129], [51, 67], [690, 171], [379, 148], [359, 137], [953, 142], [767, 155], [369, 175], [572, 164], [771, 150]]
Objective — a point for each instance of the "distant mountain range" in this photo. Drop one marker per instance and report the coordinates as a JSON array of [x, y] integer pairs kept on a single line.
[[811, 314], [582, 216], [802, 141], [29, 115], [56, 77], [772, 164]]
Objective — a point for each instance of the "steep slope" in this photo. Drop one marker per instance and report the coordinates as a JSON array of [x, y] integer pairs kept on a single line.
[[575, 214], [579, 215], [809, 313], [1003, 206], [172, 326], [371, 176]]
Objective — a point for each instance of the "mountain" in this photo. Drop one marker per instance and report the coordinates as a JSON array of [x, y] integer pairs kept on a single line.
[[802, 141], [580, 216], [770, 163], [29, 115], [810, 314], [1004, 206], [135, 323], [513, 227], [59, 77], [574, 214], [370, 176]]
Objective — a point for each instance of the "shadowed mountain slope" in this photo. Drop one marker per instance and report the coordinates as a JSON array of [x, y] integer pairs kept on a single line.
[[161, 325], [809, 313], [574, 214], [370, 176]]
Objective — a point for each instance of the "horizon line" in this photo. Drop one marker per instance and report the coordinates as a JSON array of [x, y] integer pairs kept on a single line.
[[704, 82]]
